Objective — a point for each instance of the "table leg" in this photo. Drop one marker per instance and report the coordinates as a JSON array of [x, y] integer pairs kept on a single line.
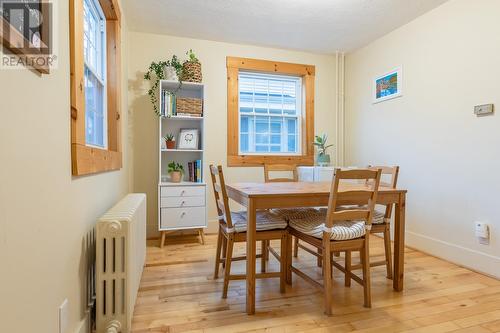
[[251, 254], [399, 243], [289, 259]]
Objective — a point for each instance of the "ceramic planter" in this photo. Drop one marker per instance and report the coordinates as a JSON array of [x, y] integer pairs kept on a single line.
[[323, 160], [175, 176], [171, 73]]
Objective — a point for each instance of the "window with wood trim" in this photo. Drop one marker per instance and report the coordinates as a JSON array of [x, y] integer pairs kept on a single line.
[[270, 112], [95, 86]]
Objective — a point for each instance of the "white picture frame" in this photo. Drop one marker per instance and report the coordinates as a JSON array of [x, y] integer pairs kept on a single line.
[[188, 139], [388, 85]]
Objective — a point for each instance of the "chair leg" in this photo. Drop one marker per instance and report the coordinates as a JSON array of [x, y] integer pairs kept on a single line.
[[296, 247], [288, 259], [283, 263], [319, 260], [224, 251], [229, 256], [327, 276], [388, 251], [217, 254], [365, 258], [268, 244], [263, 258], [347, 268]]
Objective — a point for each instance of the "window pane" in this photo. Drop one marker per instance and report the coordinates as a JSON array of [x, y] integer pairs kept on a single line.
[[276, 125], [244, 125], [262, 125], [94, 113], [292, 125], [244, 143], [261, 149], [276, 139], [292, 143], [261, 139]]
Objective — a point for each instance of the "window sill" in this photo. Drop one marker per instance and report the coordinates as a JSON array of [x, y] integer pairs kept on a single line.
[[259, 160], [90, 160]]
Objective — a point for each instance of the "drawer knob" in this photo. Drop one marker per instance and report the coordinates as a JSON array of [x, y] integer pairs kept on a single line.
[[182, 203], [183, 191], [183, 213]]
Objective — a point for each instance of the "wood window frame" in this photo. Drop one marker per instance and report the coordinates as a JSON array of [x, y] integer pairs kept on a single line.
[[84, 159], [307, 72]]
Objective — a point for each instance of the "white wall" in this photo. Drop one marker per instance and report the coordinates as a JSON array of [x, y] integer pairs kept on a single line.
[[44, 211], [449, 158], [145, 48]]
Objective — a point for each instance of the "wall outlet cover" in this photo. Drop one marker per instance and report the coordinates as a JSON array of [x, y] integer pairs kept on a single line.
[[485, 109], [64, 317]]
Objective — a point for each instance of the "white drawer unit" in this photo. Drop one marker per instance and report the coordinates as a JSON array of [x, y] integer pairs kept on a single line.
[[182, 206]]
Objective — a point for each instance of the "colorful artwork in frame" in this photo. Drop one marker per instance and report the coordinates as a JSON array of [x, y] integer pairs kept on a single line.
[[388, 86]]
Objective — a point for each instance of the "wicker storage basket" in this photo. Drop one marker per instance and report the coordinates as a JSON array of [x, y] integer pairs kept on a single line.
[[189, 105], [191, 72]]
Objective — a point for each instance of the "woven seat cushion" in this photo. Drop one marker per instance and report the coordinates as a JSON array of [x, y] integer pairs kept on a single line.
[[378, 216], [295, 213], [342, 230], [265, 221]]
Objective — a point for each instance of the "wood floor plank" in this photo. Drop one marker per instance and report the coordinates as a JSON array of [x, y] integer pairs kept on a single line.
[[178, 294]]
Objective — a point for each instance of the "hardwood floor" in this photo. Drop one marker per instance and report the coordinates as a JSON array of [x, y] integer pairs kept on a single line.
[[178, 294]]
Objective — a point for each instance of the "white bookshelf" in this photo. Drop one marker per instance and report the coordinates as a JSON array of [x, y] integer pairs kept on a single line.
[[181, 205]]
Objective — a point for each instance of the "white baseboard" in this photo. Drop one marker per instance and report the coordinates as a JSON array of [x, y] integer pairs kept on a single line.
[[469, 258], [83, 327]]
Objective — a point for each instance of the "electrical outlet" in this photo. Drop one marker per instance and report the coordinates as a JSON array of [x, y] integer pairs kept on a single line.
[[482, 233], [63, 317], [482, 110]]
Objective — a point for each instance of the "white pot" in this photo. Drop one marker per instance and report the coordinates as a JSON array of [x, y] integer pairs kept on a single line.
[[170, 73]]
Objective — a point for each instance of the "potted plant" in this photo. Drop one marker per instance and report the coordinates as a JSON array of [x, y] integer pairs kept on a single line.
[[157, 71], [170, 141], [173, 69], [176, 171], [323, 158], [191, 69]]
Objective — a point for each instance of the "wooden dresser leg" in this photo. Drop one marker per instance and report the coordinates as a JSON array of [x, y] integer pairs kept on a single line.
[[202, 236], [162, 241]]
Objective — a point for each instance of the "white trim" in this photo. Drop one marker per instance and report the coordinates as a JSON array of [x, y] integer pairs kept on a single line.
[[462, 256], [399, 72]]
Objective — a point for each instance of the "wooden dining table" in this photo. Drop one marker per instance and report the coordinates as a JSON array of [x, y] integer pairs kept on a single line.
[[257, 196]]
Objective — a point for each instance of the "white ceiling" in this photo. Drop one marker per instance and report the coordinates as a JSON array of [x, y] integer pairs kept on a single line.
[[323, 26]]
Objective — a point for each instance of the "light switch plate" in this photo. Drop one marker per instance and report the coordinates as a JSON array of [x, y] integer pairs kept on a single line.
[[481, 110]]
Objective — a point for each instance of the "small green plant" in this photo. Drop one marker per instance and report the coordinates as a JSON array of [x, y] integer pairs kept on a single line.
[[155, 73], [320, 142], [175, 167], [192, 56], [169, 137]]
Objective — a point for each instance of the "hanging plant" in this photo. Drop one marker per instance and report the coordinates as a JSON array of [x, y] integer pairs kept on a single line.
[[156, 73]]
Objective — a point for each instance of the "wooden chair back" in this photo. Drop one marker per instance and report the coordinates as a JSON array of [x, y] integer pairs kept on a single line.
[[362, 196], [268, 168], [393, 173], [220, 193]]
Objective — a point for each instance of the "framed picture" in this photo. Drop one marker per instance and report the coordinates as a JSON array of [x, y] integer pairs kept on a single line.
[[388, 86], [25, 30], [188, 139]]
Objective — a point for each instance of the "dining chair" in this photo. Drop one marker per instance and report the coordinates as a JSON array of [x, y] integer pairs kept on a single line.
[[287, 214], [381, 223], [232, 229], [342, 230]]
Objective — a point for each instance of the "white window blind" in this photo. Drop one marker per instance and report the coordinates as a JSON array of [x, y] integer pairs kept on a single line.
[[94, 46], [270, 114]]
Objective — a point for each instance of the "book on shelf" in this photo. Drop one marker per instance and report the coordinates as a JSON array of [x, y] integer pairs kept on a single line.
[[168, 104], [194, 171]]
